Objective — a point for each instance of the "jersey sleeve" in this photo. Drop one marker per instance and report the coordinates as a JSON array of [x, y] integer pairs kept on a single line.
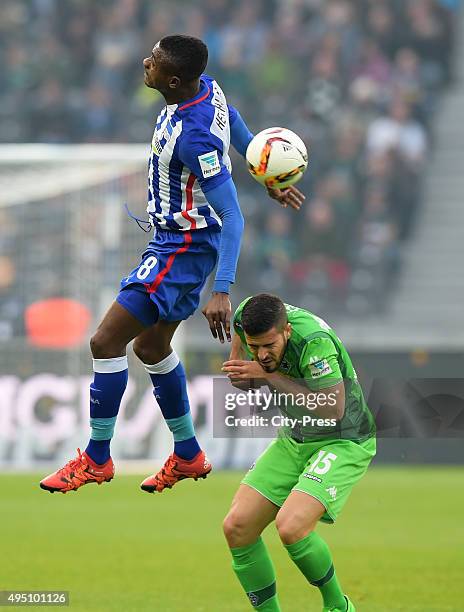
[[201, 152], [233, 112], [319, 364], [224, 201], [240, 135]]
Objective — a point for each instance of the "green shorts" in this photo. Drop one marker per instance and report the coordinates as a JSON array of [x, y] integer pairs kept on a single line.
[[324, 469]]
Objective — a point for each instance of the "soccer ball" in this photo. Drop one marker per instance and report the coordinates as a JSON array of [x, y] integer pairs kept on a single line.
[[277, 157]]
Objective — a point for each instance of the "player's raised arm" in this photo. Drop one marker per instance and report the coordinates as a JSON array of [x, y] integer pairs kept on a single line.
[[224, 201], [240, 135]]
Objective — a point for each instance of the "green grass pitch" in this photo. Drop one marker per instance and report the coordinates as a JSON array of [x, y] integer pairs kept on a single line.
[[398, 545]]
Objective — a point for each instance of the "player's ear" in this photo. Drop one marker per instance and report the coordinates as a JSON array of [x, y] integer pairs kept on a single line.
[[288, 330], [174, 82]]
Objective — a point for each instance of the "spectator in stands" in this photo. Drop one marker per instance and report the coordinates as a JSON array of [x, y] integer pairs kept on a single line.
[[98, 114], [406, 82], [401, 132], [274, 251], [381, 28], [322, 267], [373, 64], [324, 91], [50, 117], [378, 248], [428, 34]]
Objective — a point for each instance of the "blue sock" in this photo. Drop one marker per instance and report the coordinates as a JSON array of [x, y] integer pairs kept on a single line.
[[106, 391], [170, 391]]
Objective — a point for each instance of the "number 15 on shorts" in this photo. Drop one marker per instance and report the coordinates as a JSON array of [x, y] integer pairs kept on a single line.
[[322, 463]]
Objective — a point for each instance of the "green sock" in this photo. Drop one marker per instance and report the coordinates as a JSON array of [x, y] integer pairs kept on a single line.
[[255, 571], [312, 556]]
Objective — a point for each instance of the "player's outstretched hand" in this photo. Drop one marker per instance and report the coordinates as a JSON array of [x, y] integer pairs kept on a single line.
[[291, 196], [218, 311]]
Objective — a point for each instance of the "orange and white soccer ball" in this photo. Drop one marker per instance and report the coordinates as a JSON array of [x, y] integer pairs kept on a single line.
[[277, 157]]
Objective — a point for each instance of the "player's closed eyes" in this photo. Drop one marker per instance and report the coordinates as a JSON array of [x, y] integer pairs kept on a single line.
[[255, 348]]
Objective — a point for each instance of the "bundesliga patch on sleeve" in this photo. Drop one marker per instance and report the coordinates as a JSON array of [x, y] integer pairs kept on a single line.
[[320, 368], [209, 164]]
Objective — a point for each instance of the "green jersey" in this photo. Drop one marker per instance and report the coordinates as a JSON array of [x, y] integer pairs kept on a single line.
[[316, 356]]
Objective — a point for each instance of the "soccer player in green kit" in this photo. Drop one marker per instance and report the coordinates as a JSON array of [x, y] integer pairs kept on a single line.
[[307, 473]]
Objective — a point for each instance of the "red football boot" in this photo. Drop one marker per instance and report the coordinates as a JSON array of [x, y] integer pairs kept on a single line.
[[79, 471], [176, 469]]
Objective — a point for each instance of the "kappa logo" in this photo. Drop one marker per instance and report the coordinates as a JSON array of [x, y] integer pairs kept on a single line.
[[332, 491], [209, 164], [94, 400]]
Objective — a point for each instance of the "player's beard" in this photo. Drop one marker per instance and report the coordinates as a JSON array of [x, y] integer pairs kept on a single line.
[[273, 363], [270, 366]]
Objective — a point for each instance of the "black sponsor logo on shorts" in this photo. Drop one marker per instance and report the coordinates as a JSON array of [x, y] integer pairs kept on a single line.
[[312, 477]]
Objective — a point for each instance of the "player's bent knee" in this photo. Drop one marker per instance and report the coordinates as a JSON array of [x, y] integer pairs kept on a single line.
[[141, 352], [236, 530], [97, 346], [292, 528], [102, 347], [150, 354], [231, 527]]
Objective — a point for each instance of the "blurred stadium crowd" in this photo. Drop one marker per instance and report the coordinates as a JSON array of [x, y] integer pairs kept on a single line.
[[359, 80]]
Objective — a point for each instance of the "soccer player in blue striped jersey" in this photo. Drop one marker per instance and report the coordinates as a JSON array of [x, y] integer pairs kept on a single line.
[[193, 206]]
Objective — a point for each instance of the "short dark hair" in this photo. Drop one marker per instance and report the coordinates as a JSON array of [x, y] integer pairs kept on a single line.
[[262, 312], [187, 55]]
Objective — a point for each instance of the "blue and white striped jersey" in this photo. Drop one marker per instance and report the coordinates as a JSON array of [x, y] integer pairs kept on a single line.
[[189, 157]]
